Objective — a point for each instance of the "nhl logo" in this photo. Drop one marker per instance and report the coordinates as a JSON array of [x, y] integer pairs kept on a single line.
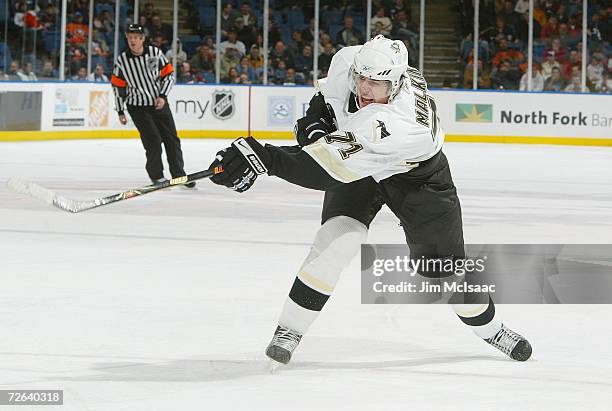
[[152, 63], [223, 104]]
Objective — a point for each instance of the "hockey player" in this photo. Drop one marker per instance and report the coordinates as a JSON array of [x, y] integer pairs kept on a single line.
[[374, 137]]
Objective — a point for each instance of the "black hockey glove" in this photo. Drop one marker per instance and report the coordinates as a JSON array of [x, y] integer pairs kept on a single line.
[[242, 162], [319, 121]]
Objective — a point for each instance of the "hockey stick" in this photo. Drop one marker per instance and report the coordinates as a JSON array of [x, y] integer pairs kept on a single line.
[[75, 206]]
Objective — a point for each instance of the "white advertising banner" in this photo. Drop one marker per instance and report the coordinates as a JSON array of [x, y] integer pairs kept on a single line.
[[86, 110], [572, 115]]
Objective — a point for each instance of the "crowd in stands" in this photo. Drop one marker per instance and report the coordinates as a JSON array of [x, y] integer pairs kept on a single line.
[[502, 57], [557, 45]]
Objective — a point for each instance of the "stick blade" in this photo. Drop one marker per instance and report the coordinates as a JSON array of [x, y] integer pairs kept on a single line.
[[33, 190]]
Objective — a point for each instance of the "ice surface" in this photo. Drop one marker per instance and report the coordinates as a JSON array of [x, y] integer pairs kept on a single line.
[[167, 301]]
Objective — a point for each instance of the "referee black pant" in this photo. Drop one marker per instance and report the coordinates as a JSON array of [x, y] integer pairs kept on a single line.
[[157, 127]]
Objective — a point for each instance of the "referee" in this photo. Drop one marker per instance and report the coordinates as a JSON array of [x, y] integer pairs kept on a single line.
[[142, 79]]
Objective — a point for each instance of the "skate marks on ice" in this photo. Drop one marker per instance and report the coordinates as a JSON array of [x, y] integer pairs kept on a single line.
[[209, 368]]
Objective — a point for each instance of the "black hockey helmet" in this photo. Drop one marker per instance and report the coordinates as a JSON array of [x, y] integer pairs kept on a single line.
[[135, 28]]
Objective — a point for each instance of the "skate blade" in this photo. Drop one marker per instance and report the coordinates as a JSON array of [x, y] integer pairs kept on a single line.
[[274, 366]]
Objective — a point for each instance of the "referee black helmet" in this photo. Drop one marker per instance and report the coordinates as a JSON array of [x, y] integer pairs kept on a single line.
[[135, 28]]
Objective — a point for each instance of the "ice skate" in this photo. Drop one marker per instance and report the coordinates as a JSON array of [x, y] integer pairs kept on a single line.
[[282, 346], [512, 344]]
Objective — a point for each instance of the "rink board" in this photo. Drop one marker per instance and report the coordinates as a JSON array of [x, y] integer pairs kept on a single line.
[[53, 111]]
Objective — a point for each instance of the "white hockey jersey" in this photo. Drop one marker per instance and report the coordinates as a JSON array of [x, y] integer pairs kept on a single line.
[[379, 140]]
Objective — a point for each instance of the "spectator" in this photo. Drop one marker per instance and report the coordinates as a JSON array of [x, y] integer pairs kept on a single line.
[[292, 78], [297, 45], [595, 71], [201, 61], [99, 42], [157, 28], [555, 82], [510, 17], [246, 34], [255, 57], [185, 75], [550, 29], [607, 83], [248, 17], [466, 49], [506, 77], [397, 7], [574, 60], [228, 18], [402, 29], [147, 14], [522, 7], [81, 74], [503, 30], [560, 52], [326, 56], [279, 53], [562, 15], [566, 39], [245, 68], [48, 71], [349, 35], [304, 63], [504, 53], [575, 85], [537, 81], [280, 72], [385, 21], [158, 41], [230, 59], [244, 79], [484, 76], [232, 42], [13, 71], [26, 73], [181, 56], [3, 76], [308, 32], [549, 64], [522, 29], [76, 31], [232, 76], [98, 74]]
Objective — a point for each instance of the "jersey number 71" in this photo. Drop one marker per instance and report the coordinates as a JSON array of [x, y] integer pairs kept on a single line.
[[346, 138]]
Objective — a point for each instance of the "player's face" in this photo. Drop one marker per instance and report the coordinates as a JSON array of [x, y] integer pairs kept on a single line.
[[371, 91]]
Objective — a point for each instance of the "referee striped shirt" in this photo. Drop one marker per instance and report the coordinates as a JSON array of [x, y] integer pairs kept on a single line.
[[139, 80]]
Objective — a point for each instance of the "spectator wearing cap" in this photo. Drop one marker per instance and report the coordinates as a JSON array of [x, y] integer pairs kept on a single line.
[[385, 21], [98, 74], [76, 31], [232, 42], [537, 81]]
